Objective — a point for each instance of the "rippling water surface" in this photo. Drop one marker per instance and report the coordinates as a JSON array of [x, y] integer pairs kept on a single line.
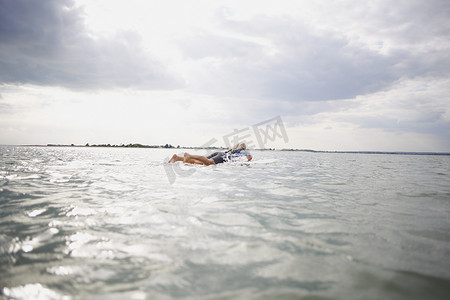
[[104, 223]]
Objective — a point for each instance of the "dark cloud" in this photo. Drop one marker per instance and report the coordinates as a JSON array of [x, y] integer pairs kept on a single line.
[[46, 43], [307, 66], [325, 67], [314, 64]]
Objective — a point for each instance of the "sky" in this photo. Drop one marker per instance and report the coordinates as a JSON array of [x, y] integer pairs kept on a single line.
[[341, 75]]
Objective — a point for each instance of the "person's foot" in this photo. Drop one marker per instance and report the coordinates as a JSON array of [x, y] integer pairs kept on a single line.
[[173, 159], [187, 157]]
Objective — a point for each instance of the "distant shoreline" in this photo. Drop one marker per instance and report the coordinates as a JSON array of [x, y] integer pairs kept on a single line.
[[168, 146], [370, 152]]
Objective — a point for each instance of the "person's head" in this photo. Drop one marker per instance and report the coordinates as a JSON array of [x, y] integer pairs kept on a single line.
[[240, 146]]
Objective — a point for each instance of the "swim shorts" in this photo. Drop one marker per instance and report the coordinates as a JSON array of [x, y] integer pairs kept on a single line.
[[218, 157]]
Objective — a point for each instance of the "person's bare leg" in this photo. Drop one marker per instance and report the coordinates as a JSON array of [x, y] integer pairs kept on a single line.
[[176, 158], [194, 161], [206, 161]]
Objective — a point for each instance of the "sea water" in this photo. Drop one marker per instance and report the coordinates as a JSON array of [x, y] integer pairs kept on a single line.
[[121, 223]]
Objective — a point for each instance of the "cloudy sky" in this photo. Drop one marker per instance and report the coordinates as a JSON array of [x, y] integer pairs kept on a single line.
[[343, 75]]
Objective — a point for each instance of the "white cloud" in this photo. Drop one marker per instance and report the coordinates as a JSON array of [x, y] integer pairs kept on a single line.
[[47, 44], [413, 114], [41, 115]]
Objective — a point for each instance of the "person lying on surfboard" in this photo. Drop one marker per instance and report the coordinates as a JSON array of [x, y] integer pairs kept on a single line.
[[216, 157]]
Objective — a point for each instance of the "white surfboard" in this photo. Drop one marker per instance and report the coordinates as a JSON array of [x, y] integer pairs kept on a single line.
[[259, 161]]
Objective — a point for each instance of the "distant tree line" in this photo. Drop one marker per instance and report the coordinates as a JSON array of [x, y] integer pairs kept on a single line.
[[131, 146]]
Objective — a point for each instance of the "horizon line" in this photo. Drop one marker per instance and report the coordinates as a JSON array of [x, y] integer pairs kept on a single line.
[[169, 146]]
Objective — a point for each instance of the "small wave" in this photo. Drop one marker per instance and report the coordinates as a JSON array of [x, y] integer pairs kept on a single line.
[[9, 196], [36, 212], [8, 247], [32, 291], [39, 240], [18, 177]]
